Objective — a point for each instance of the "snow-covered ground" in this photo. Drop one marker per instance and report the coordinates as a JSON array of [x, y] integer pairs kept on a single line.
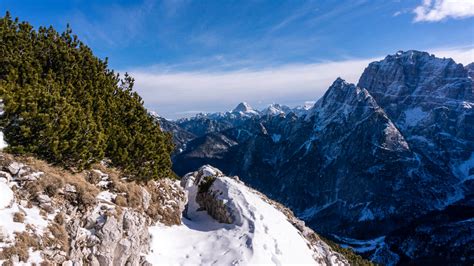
[[3, 143], [8, 207], [260, 234]]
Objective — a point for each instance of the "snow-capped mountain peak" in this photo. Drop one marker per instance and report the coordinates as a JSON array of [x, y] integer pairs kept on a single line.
[[276, 109], [244, 108]]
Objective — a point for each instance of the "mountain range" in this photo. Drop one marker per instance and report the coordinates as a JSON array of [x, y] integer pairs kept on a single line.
[[385, 166]]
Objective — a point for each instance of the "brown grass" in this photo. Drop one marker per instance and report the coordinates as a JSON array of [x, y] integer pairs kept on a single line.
[[59, 218], [55, 178], [121, 201], [167, 216], [19, 217], [60, 237], [23, 241], [132, 192]]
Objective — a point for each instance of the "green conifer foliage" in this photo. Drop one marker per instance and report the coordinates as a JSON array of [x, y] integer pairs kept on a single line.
[[64, 105]]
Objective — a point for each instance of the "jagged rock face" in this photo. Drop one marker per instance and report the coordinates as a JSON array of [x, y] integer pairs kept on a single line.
[[117, 241], [470, 70], [433, 106], [415, 78], [366, 161]]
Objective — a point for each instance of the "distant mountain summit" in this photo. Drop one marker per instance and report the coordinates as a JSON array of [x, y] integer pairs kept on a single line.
[[386, 166], [276, 109], [244, 109]]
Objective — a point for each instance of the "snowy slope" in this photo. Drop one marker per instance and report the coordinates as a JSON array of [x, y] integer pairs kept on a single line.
[[259, 232]]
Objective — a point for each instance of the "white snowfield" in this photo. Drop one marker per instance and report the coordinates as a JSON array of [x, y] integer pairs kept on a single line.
[[259, 235]]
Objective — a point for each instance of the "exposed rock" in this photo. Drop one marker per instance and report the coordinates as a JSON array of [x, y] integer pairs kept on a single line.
[[43, 199], [207, 199], [122, 240], [215, 208], [15, 167], [146, 198], [6, 176], [70, 188], [81, 230]]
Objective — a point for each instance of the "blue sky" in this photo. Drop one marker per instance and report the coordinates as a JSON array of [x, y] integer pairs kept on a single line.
[[190, 56]]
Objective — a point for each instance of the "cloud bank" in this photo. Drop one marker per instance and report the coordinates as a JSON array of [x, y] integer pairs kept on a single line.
[[183, 93], [437, 10]]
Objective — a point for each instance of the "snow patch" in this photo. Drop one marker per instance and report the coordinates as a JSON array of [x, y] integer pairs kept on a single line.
[[414, 116], [467, 169], [276, 138], [35, 221], [3, 143], [106, 196], [312, 211], [467, 105], [366, 215], [6, 195]]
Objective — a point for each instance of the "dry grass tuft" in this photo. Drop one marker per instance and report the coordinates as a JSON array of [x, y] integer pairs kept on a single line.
[[23, 241], [54, 180], [121, 201], [60, 237], [129, 191], [19, 217], [162, 194], [59, 218]]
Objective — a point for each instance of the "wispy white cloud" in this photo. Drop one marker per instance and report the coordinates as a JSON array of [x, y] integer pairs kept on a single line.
[[437, 10], [116, 25], [398, 13], [179, 93], [463, 55], [301, 12]]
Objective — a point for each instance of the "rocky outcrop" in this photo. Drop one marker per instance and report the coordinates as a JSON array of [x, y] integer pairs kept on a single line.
[[115, 240], [249, 216], [206, 198], [90, 218]]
